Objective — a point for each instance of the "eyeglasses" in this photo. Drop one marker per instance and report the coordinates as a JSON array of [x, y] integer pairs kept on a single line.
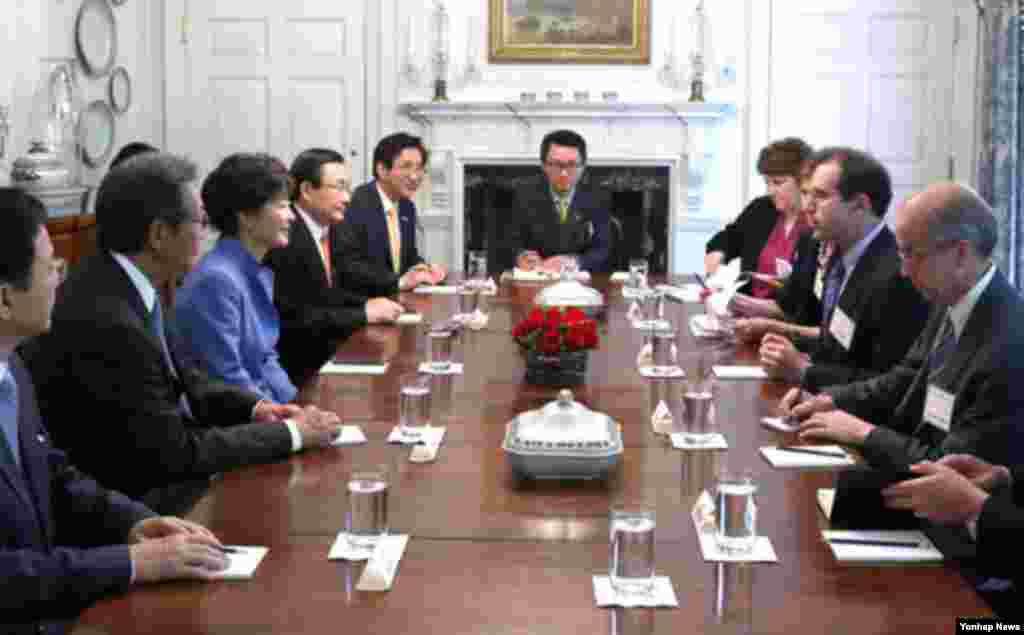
[[563, 166], [920, 254]]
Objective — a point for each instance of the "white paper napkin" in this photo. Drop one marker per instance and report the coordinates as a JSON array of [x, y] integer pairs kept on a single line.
[[739, 372], [453, 369], [440, 289], [650, 371], [657, 325], [632, 293], [432, 435], [334, 368], [925, 552], [350, 435], [342, 550], [474, 321], [784, 459], [242, 563], [661, 419], [715, 442], [380, 570], [662, 594], [703, 516], [778, 423], [409, 318]]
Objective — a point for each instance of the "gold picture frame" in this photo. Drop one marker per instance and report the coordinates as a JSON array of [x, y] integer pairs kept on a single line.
[[570, 31]]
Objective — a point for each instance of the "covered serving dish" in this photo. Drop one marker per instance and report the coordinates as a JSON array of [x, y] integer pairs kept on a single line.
[[563, 439], [569, 291]]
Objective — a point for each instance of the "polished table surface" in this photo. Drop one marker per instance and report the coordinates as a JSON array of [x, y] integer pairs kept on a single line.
[[492, 554]]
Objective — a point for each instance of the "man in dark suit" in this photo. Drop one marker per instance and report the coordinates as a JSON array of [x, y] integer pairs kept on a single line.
[[65, 542], [555, 215], [376, 245], [153, 422], [957, 390], [317, 310], [863, 286], [964, 490]]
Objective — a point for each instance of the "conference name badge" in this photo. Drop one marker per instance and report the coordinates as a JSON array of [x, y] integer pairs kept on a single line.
[[938, 407], [842, 328]]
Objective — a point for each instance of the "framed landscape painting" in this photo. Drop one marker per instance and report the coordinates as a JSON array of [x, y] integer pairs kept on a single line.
[[573, 31]]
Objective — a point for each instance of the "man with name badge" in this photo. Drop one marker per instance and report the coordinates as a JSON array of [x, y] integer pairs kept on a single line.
[[862, 288], [958, 389]]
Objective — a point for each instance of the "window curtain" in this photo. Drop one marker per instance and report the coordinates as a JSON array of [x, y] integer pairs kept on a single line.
[[1001, 119]]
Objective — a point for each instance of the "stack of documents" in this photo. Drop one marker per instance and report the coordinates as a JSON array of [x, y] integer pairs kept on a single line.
[[807, 456], [881, 546]]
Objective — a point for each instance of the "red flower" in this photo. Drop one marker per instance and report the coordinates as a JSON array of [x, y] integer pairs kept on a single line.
[[574, 315], [553, 317], [535, 319], [576, 337]]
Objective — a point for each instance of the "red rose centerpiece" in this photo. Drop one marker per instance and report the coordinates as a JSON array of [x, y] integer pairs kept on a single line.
[[556, 342]]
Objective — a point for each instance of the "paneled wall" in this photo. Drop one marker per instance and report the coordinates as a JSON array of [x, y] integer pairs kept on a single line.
[[37, 34]]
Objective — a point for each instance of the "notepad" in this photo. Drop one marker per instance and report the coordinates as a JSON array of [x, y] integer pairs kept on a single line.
[[350, 435], [441, 289], [242, 564], [409, 318], [336, 368], [924, 553], [801, 460], [715, 441], [739, 372], [432, 435]]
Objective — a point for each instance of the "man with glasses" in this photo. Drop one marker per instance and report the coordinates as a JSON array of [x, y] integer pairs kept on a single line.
[[377, 240], [862, 289], [556, 215], [958, 389]]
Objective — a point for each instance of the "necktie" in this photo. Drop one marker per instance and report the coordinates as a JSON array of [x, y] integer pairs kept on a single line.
[[156, 326], [563, 208], [945, 343], [9, 453], [833, 282], [395, 238], [325, 255]]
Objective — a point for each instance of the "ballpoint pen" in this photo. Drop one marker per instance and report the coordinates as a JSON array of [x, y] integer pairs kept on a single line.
[[224, 549], [872, 543], [811, 450]]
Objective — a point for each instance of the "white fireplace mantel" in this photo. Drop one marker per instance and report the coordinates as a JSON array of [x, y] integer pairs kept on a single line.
[[695, 141]]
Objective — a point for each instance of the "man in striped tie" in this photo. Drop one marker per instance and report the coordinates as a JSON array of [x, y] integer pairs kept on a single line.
[[958, 388]]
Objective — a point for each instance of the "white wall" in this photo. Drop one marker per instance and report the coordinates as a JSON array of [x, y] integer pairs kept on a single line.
[[37, 34]]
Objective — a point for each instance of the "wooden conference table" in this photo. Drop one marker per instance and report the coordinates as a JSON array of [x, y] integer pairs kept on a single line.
[[490, 554]]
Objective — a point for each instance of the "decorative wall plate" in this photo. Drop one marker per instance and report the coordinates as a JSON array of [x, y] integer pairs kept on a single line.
[[119, 90], [96, 37], [97, 131]]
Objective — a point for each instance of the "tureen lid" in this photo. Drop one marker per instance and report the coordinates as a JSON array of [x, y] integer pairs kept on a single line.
[[569, 293], [562, 420]]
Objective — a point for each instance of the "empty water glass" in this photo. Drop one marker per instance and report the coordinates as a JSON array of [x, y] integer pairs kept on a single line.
[[631, 566], [414, 406], [476, 266], [638, 273], [735, 512], [439, 349], [367, 520]]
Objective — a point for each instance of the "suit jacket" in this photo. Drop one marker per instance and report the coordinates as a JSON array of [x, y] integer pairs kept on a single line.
[[368, 265], [998, 540], [875, 294], [984, 373], [315, 316], [100, 358], [227, 323], [745, 237], [535, 225], [58, 530], [796, 298]]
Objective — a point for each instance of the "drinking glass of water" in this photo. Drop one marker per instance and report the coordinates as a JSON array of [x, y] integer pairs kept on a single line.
[[735, 512], [638, 273], [664, 353], [468, 298], [631, 566], [367, 521], [439, 349], [414, 406], [476, 266]]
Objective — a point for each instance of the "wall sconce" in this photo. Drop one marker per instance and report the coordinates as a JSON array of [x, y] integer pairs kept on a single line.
[[441, 57]]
